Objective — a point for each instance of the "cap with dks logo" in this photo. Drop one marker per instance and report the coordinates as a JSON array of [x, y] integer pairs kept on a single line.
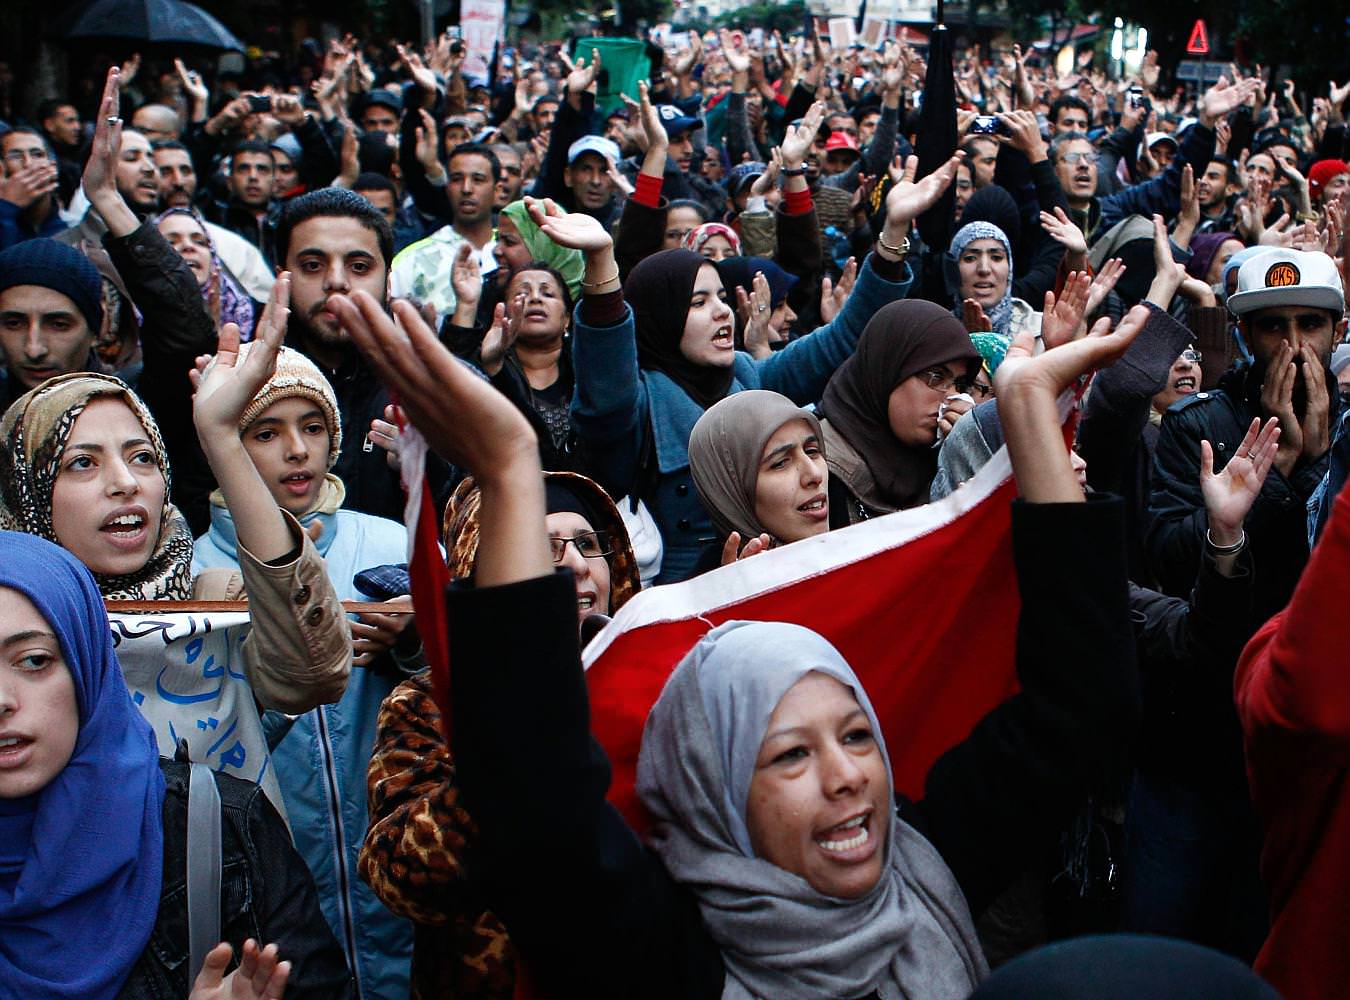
[[1280, 277]]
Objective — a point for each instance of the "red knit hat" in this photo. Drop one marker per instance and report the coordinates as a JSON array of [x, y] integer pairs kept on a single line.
[[1321, 172]]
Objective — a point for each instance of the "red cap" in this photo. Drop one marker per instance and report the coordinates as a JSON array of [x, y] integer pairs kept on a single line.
[[841, 140], [1321, 172]]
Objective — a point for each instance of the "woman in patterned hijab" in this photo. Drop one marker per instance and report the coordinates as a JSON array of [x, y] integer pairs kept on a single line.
[[123, 527]]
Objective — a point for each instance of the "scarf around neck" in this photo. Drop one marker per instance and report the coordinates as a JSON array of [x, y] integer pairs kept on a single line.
[[225, 298], [902, 339], [34, 433], [658, 290], [911, 935], [81, 860]]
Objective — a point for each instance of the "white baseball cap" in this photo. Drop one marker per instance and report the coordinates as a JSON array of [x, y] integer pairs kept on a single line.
[[607, 148], [1281, 277]]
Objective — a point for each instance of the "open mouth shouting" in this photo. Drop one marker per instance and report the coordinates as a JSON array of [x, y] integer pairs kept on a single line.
[[126, 527], [1185, 384], [816, 509], [850, 840], [723, 338]]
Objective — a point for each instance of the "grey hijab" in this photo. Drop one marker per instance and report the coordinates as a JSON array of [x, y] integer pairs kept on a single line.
[[724, 452], [910, 936]]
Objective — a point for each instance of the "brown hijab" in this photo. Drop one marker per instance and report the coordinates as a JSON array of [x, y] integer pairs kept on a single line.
[[725, 449], [659, 290], [902, 339]]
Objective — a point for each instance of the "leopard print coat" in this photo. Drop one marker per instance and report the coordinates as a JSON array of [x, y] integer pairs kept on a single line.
[[418, 854]]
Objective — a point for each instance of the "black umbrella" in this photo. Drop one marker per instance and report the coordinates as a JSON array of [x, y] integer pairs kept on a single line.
[[153, 21]]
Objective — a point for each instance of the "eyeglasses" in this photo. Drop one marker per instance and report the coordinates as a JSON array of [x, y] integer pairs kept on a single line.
[[1193, 356], [590, 544], [1072, 158], [943, 381]]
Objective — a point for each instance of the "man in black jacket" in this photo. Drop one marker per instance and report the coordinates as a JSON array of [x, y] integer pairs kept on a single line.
[[1290, 309], [334, 242]]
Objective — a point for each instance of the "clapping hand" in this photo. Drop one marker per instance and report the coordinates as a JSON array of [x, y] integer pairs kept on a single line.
[[1229, 495]]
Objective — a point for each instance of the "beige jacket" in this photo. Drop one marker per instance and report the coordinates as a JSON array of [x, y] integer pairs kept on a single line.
[[298, 652]]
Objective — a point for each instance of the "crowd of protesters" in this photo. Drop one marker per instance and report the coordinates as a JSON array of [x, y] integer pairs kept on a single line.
[[648, 336]]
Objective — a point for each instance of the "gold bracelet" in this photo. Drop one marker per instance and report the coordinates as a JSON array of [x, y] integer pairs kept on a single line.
[[901, 251], [597, 284]]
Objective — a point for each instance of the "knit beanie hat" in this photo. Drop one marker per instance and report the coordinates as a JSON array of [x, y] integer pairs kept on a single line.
[[62, 268], [1321, 172], [296, 375]]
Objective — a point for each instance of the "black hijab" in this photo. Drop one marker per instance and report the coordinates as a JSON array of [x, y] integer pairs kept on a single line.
[[659, 289], [902, 339]]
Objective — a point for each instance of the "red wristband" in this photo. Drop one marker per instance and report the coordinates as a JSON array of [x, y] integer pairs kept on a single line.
[[648, 190], [797, 202]]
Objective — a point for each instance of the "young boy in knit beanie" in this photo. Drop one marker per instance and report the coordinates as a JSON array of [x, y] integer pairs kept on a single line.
[[292, 432]]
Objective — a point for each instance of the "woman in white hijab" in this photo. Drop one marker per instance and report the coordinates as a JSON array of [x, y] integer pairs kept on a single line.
[[778, 863]]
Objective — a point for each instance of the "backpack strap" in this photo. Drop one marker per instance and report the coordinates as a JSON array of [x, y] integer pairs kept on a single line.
[[203, 868]]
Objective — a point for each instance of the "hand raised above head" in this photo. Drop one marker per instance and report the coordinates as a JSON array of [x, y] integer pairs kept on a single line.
[[464, 419]]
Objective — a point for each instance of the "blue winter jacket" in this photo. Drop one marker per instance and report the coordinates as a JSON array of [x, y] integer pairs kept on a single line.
[[616, 406], [321, 763]]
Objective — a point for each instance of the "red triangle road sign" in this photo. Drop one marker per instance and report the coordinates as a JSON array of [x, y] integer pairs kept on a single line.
[[1199, 41]]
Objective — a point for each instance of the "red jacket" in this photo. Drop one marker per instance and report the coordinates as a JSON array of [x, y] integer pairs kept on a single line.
[[1293, 697]]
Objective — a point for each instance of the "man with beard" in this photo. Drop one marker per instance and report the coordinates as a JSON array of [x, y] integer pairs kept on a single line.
[[335, 242], [1290, 309], [136, 183], [421, 272], [1215, 188], [178, 189]]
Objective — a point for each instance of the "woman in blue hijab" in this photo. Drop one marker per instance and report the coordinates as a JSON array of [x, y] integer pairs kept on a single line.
[[93, 823]]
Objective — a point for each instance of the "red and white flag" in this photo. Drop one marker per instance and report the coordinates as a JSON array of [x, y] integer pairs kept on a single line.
[[426, 564], [923, 604]]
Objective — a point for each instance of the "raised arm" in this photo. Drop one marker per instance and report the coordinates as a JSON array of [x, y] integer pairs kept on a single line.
[[999, 796], [518, 697]]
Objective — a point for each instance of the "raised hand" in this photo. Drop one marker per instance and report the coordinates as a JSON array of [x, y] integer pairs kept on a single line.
[[1223, 98], [765, 182], [426, 149], [129, 69], [653, 132], [737, 59], [1112, 271], [832, 296], [422, 76], [1167, 273], [466, 277], [501, 335], [797, 142], [1024, 134], [464, 419], [1060, 228], [1189, 216], [908, 199], [222, 386], [192, 82], [756, 311], [569, 229], [1229, 495], [1056, 369], [1062, 320], [260, 976], [580, 76]]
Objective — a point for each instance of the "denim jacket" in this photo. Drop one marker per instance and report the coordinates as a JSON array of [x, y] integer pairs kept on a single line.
[[623, 415], [266, 893]]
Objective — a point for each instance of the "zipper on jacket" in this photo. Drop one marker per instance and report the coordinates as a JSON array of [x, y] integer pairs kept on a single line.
[[344, 876]]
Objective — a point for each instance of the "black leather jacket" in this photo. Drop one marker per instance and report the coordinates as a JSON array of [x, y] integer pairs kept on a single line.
[[266, 894], [1276, 526]]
